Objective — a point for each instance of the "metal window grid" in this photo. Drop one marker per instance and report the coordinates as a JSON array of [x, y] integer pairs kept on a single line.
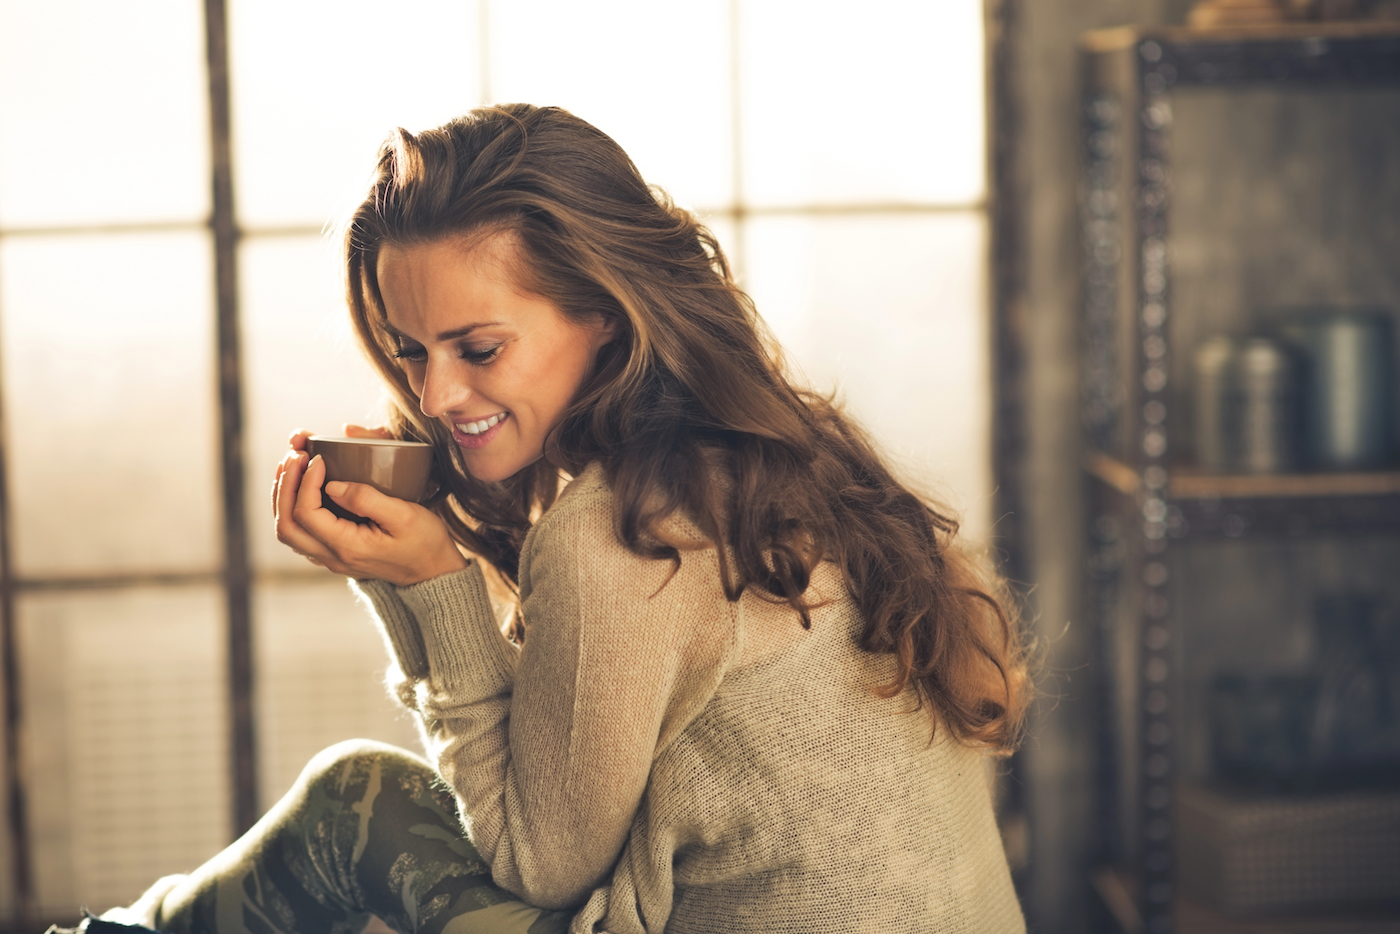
[[237, 575]]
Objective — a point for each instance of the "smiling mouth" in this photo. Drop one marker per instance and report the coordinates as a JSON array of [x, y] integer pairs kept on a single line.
[[482, 426]]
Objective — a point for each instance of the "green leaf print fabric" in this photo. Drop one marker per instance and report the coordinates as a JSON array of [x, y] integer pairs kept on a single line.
[[367, 831]]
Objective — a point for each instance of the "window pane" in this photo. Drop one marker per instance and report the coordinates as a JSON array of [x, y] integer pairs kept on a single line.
[[109, 388], [890, 311], [320, 664], [653, 76], [318, 85], [875, 102], [126, 740], [302, 368], [103, 113]]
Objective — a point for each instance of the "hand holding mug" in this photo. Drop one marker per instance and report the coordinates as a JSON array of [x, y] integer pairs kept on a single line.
[[395, 539]]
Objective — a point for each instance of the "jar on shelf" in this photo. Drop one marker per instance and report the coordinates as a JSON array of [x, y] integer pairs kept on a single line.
[[1247, 406], [1348, 387]]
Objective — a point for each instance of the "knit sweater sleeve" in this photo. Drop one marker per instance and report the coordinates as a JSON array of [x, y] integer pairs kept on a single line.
[[549, 747]]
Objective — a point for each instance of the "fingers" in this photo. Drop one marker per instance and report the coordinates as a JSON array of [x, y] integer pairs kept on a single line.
[[289, 473], [298, 439], [294, 488], [360, 431], [364, 500], [316, 534], [276, 482], [403, 543], [284, 486], [306, 505]]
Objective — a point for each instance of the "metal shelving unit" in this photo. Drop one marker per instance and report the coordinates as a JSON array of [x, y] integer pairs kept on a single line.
[[1142, 503]]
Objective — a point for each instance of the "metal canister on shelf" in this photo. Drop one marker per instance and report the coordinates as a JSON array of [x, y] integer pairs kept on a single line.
[[1213, 434], [1348, 388], [1246, 406], [1267, 386]]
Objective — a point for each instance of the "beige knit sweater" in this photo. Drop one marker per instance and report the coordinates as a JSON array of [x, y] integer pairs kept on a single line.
[[667, 760]]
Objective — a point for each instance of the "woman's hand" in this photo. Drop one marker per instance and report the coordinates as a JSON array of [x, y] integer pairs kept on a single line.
[[403, 544]]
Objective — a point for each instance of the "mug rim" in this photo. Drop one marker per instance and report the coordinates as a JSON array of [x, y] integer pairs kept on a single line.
[[373, 442]]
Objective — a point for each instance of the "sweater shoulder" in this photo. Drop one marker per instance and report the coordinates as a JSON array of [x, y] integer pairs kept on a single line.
[[577, 532], [583, 510], [577, 536], [587, 496]]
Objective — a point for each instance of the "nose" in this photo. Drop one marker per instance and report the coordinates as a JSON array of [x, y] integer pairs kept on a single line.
[[443, 390]]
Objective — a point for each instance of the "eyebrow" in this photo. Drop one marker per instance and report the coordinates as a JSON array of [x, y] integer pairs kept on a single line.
[[445, 335]]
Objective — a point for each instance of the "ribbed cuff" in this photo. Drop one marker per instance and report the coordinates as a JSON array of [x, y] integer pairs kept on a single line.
[[461, 639], [398, 625]]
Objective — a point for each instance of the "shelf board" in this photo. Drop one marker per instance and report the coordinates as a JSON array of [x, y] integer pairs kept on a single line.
[[1187, 484], [1118, 38], [1112, 471], [1118, 890], [1194, 918]]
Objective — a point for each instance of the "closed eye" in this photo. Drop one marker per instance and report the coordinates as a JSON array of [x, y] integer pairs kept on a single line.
[[480, 357]]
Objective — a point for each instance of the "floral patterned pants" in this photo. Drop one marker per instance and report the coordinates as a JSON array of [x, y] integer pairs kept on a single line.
[[368, 831]]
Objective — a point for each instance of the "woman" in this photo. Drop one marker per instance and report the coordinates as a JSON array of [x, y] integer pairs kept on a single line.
[[754, 682]]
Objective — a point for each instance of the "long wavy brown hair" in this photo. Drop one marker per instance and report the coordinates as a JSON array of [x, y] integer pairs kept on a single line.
[[688, 409]]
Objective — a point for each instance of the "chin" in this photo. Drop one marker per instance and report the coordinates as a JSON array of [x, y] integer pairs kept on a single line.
[[491, 476], [497, 472]]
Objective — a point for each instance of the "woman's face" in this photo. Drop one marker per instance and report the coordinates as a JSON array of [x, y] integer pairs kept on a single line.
[[497, 366]]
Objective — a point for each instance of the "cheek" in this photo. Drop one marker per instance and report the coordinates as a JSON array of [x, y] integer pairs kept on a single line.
[[571, 363], [564, 379]]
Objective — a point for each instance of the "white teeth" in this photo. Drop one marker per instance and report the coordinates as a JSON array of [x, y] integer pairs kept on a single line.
[[476, 428]]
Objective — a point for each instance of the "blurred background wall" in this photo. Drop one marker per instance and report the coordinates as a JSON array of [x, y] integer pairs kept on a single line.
[[1036, 158], [836, 149], [1280, 197]]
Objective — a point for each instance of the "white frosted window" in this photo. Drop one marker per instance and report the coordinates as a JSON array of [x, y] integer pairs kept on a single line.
[[108, 344], [126, 740], [320, 664], [302, 367], [873, 102], [318, 84], [890, 311], [109, 386], [653, 76], [103, 113]]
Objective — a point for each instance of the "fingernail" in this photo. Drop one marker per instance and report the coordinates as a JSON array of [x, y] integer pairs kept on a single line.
[[336, 488]]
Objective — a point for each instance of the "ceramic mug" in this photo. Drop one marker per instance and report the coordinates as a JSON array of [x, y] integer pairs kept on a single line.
[[395, 468]]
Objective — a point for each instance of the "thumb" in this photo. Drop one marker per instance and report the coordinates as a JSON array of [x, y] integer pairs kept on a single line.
[[364, 500]]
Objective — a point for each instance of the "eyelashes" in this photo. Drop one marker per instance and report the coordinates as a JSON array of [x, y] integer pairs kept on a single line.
[[416, 354], [479, 357]]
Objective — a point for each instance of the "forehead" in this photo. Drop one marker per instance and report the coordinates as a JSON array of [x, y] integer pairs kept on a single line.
[[440, 290], [427, 282], [493, 254]]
